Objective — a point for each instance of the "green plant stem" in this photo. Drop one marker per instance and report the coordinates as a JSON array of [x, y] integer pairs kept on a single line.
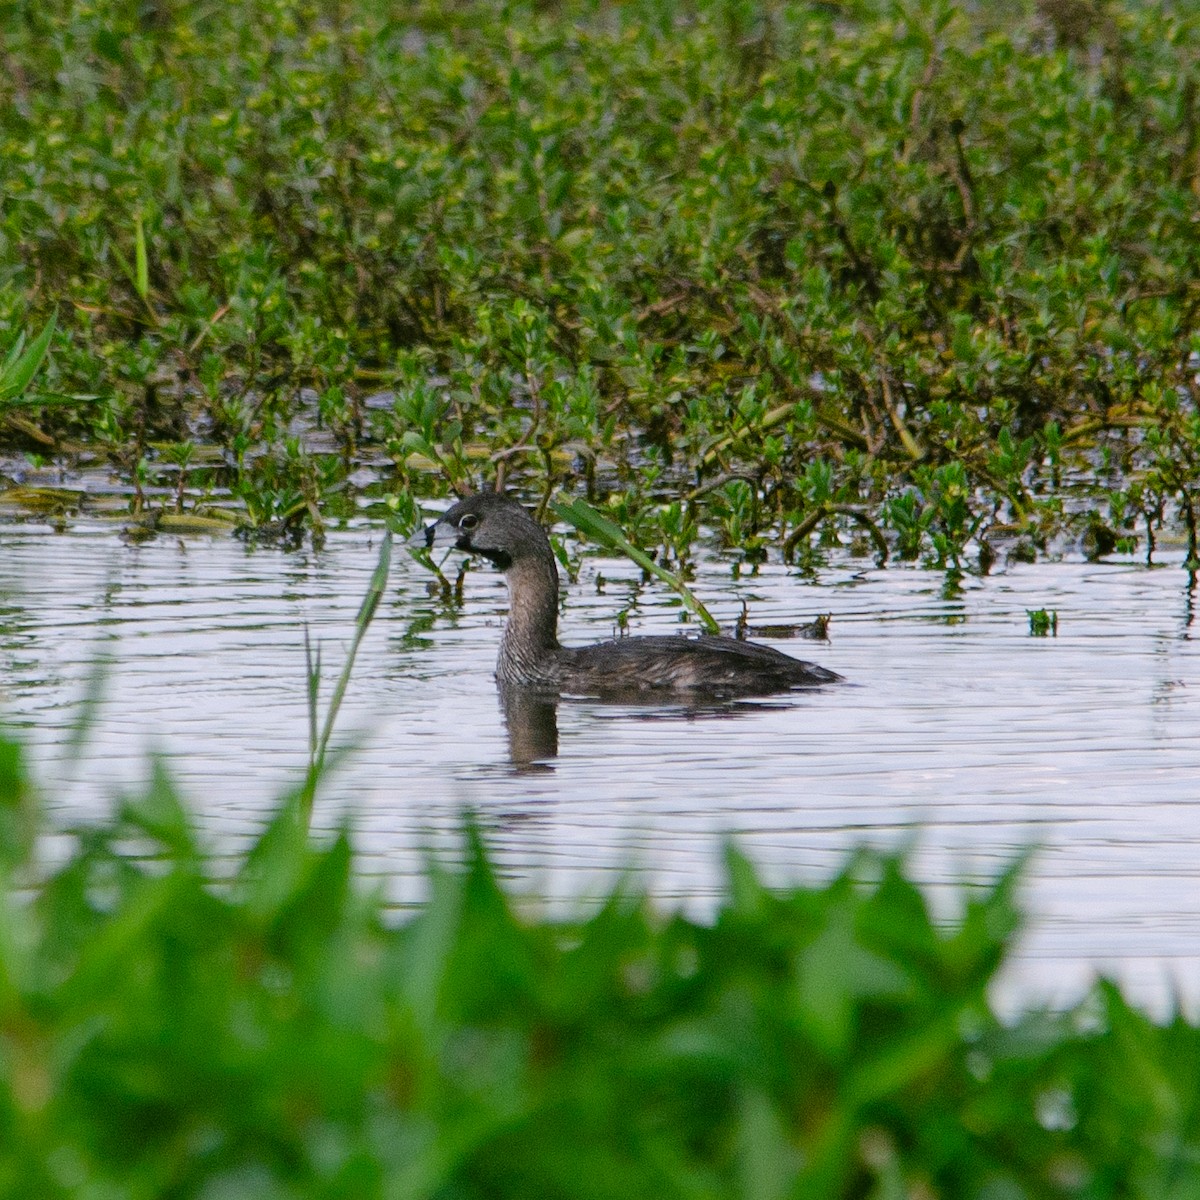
[[599, 528], [319, 744]]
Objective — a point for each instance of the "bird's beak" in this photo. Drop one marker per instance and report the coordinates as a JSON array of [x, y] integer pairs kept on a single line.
[[423, 538], [439, 534]]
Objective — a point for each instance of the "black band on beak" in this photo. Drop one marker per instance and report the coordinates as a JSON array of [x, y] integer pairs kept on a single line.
[[422, 539]]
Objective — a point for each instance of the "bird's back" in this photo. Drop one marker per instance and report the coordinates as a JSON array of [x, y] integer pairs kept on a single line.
[[716, 665]]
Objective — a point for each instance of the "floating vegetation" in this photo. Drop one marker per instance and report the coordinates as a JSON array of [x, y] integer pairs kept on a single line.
[[1043, 623]]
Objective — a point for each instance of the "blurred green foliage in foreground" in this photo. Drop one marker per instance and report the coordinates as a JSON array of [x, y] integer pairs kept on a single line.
[[174, 1025], [782, 271]]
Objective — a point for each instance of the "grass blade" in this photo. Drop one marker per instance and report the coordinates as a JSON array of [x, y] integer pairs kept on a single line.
[[47, 400], [20, 368], [600, 529], [312, 677], [366, 613], [141, 260], [14, 352], [90, 704]]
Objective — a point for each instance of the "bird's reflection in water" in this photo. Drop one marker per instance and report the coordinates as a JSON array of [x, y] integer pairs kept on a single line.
[[531, 717]]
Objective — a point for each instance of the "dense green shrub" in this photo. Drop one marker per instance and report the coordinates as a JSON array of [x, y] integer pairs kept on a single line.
[[173, 1026], [828, 252]]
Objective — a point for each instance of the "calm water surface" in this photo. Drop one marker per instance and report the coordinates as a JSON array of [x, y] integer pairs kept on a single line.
[[960, 734]]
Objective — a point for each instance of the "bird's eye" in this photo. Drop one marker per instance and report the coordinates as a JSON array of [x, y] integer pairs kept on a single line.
[[468, 521]]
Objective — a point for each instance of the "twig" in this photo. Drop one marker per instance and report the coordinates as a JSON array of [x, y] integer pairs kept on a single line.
[[830, 509]]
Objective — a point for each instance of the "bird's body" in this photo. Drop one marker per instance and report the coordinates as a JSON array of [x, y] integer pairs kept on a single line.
[[502, 531], [682, 663]]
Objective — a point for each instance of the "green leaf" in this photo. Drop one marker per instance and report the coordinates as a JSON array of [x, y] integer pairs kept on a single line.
[[14, 352], [767, 1158], [18, 812], [159, 812], [19, 369], [141, 259], [835, 974], [747, 895], [277, 863]]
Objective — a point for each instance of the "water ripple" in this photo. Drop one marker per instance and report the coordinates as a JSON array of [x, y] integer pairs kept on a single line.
[[961, 735]]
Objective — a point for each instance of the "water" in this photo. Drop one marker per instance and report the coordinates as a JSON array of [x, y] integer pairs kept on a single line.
[[959, 734]]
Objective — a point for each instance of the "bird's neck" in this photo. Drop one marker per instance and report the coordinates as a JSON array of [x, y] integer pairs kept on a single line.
[[532, 628]]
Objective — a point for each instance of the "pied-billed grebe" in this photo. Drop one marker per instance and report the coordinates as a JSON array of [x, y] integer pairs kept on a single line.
[[503, 532]]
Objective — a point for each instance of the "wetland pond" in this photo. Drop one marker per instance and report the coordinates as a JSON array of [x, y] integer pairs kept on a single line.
[[959, 733]]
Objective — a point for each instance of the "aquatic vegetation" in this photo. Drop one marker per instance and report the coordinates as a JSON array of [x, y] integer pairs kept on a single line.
[[18, 370], [1043, 622], [916, 275], [318, 743], [21, 364]]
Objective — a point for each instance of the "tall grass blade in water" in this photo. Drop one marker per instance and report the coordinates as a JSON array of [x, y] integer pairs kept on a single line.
[[319, 744], [600, 529], [91, 702]]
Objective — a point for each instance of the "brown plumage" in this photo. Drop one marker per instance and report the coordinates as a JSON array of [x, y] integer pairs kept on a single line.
[[503, 532]]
